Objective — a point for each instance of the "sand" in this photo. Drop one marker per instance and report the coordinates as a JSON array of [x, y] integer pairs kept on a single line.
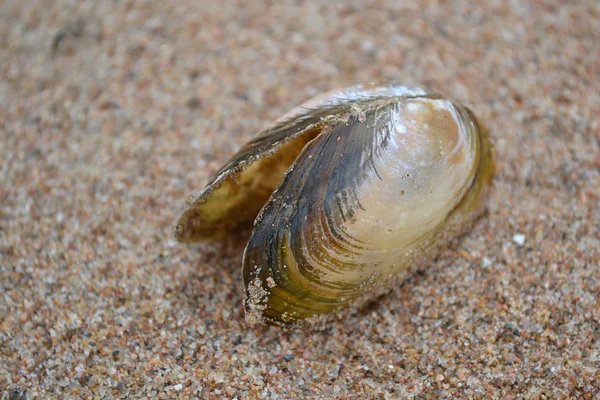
[[111, 113]]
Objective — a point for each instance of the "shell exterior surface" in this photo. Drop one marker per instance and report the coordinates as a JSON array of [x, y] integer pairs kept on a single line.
[[354, 190]]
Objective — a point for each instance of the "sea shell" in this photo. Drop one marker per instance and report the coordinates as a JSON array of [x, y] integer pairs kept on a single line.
[[349, 193]]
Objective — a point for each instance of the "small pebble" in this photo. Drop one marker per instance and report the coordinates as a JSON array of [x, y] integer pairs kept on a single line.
[[519, 239]]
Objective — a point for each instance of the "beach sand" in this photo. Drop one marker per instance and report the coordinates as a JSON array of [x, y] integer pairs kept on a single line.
[[112, 112]]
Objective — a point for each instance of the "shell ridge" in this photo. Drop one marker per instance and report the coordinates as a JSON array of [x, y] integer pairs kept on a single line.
[[329, 149]]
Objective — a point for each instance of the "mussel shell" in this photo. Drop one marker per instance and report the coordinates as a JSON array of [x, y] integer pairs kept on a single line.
[[354, 190]]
